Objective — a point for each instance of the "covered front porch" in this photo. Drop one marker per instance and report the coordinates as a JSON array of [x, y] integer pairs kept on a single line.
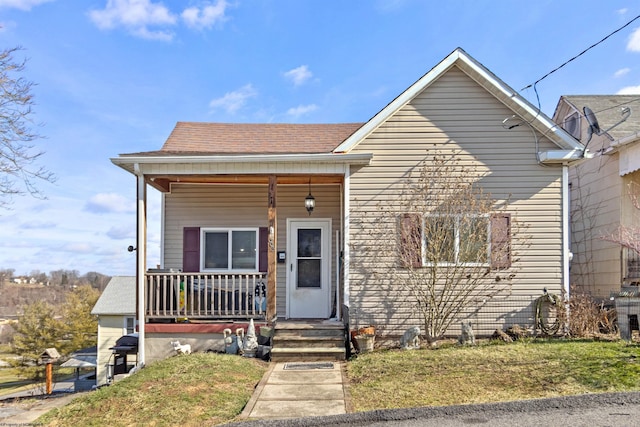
[[239, 237], [247, 247]]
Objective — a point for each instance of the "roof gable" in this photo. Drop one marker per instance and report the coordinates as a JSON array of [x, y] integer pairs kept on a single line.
[[484, 78]]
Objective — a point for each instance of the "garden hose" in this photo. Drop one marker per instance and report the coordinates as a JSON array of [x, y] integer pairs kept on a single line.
[[540, 320]]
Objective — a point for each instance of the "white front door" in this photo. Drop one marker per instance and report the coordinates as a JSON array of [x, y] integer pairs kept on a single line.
[[308, 268]]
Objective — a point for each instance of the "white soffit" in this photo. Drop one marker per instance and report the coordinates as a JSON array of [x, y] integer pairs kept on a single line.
[[280, 162]]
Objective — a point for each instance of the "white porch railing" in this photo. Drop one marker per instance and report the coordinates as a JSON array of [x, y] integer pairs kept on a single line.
[[204, 296]]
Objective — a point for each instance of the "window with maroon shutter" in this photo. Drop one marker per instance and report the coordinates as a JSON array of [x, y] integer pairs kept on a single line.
[[411, 240], [224, 249], [500, 241], [191, 249]]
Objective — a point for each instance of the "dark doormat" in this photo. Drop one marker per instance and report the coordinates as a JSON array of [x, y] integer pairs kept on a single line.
[[304, 366]]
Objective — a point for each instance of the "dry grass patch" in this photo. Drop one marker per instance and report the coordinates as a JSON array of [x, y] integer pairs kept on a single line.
[[491, 372], [193, 390]]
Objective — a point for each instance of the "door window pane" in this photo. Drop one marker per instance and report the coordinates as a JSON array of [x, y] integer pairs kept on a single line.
[[309, 273], [243, 244], [309, 244], [216, 250]]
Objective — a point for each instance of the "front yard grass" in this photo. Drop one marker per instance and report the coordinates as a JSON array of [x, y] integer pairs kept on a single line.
[[210, 389], [190, 390], [491, 372]]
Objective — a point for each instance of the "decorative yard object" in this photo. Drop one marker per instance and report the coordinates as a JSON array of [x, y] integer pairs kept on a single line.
[[410, 339], [467, 336], [231, 345], [181, 348], [251, 341]]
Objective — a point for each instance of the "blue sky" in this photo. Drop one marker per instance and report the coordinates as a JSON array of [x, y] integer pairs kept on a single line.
[[115, 76]]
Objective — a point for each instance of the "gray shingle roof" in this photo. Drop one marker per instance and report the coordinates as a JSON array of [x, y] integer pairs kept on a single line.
[[607, 109], [119, 297]]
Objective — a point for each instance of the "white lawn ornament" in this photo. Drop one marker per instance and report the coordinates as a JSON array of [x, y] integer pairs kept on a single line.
[[251, 341], [181, 348]]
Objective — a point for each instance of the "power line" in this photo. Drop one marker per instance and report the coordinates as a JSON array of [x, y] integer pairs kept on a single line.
[[575, 57]]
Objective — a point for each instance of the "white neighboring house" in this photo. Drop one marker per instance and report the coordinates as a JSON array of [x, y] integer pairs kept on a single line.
[[116, 310]]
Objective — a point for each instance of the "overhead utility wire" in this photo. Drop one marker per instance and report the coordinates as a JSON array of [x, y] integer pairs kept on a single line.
[[575, 57]]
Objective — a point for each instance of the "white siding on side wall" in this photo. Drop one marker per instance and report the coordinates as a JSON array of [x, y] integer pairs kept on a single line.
[[110, 328]]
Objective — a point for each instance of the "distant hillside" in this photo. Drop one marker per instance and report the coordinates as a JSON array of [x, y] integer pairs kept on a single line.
[[15, 296]]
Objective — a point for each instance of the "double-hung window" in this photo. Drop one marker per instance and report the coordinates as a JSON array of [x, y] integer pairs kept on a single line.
[[233, 249], [455, 240]]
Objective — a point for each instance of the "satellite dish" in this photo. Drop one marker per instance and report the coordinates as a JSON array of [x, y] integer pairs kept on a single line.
[[594, 126]]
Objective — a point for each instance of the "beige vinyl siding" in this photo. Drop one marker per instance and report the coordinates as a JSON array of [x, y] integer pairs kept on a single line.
[[596, 194], [456, 115], [110, 328], [223, 206]]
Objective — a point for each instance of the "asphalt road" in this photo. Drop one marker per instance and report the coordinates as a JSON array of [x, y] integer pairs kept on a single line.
[[592, 410]]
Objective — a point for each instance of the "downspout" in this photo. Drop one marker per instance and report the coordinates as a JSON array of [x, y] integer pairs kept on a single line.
[[141, 253], [566, 250]]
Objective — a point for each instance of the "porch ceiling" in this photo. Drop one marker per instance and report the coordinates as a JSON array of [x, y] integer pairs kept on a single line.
[[163, 182]]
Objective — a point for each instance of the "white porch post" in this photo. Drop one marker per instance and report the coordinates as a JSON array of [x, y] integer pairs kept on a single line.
[[345, 232], [141, 253]]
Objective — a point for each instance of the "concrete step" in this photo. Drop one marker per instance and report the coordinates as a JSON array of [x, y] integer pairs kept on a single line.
[[292, 341], [308, 332], [310, 354], [308, 341]]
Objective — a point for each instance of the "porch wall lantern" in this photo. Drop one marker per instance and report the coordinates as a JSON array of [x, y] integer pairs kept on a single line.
[[309, 201]]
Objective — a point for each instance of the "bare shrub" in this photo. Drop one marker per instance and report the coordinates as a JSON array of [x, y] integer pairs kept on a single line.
[[588, 318]]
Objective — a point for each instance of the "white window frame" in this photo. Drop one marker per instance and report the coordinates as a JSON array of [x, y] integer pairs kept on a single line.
[[125, 326], [229, 232], [427, 263]]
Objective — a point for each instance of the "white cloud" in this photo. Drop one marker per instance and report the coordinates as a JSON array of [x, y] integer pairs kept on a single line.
[[122, 232], [205, 17], [301, 110], [136, 16], [36, 225], [634, 41], [77, 248], [621, 72], [622, 11], [110, 202], [22, 4], [299, 75], [145, 33], [233, 101], [629, 90]]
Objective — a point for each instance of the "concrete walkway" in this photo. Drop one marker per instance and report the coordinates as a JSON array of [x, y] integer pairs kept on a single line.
[[299, 389]]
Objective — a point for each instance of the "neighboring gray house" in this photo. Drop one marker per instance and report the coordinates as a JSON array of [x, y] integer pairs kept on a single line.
[[600, 200], [276, 204], [116, 310]]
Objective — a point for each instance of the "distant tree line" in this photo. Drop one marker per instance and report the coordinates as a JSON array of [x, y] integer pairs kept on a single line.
[[69, 279]]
